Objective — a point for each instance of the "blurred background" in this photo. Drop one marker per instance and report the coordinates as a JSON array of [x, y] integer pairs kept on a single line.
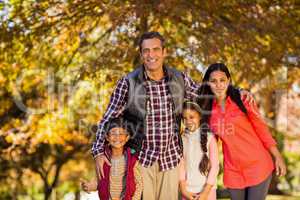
[[60, 60]]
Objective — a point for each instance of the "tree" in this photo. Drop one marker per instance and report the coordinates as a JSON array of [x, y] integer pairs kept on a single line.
[[62, 58]]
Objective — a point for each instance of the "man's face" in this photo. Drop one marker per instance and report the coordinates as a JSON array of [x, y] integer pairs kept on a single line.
[[152, 54]]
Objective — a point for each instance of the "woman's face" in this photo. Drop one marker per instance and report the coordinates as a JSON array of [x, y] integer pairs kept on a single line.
[[219, 83]]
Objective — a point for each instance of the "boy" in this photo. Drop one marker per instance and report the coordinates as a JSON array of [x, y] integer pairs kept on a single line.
[[122, 178]]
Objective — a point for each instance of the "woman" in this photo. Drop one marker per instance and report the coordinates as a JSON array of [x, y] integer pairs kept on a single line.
[[247, 143]]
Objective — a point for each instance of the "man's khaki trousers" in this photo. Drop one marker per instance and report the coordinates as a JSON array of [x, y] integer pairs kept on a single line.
[[160, 185]]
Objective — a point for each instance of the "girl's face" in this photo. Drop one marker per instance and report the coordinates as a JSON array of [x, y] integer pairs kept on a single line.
[[117, 137], [191, 119], [219, 83]]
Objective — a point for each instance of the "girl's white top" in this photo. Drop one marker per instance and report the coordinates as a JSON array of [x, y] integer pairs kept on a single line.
[[192, 156]]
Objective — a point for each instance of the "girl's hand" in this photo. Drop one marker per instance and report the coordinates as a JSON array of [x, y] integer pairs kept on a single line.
[[203, 196], [189, 195], [280, 166], [186, 194]]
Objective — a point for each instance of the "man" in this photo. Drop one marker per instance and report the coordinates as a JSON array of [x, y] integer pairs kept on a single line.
[[153, 94]]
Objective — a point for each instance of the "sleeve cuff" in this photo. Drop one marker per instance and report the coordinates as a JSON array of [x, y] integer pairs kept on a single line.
[[97, 154]]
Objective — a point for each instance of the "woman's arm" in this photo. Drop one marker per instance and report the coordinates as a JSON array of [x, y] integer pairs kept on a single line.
[[279, 162], [259, 125], [265, 136]]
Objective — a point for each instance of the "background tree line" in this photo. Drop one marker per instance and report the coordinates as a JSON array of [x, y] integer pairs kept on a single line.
[[60, 60]]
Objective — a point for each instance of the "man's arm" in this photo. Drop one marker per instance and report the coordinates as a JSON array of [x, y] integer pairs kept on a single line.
[[191, 87], [115, 107]]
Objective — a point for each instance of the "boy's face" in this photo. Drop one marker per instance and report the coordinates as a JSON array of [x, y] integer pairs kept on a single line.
[[191, 119], [117, 137]]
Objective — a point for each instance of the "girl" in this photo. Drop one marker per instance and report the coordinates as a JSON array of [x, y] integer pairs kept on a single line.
[[246, 140], [122, 180], [200, 165]]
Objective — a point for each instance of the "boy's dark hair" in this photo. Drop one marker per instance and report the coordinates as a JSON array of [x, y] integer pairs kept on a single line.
[[151, 35], [120, 122], [133, 128]]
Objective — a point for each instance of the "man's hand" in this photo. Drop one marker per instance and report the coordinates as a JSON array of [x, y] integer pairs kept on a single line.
[[247, 96], [99, 161]]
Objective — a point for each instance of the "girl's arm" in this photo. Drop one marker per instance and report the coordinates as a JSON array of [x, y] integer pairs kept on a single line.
[[182, 182], [214, 162], [214, 168]]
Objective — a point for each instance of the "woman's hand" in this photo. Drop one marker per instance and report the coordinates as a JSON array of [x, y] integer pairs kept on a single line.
[[280, 166], [279, 162]]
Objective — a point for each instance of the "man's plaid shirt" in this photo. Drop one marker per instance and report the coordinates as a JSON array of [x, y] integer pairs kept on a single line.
[[161, 143]]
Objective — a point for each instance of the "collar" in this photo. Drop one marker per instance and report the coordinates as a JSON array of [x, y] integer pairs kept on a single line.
[[165, 70], [193, 134], [228, 101], [108, 152]]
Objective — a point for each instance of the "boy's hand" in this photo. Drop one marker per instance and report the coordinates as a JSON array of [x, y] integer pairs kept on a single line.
[[88, 186], [99, 162]]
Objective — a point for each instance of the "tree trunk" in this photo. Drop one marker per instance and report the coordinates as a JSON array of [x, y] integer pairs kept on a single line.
[[47, 191], [271, 108], [77, 195]]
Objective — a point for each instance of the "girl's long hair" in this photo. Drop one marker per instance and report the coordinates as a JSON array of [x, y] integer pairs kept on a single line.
[[204, 130]]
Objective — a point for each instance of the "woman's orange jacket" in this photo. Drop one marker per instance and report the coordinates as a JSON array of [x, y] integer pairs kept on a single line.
[[245, 141]]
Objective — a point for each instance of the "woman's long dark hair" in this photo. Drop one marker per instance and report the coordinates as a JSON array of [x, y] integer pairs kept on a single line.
[[204, 163], [207, 96]]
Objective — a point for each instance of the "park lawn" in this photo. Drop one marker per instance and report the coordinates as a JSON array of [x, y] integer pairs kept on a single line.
[[279, 197]]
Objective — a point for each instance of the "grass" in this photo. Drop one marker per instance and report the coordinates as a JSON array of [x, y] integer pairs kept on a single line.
[[279, 197]]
